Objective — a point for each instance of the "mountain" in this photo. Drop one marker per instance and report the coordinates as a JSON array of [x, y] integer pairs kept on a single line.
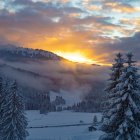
[[38, 71], [14, 53]]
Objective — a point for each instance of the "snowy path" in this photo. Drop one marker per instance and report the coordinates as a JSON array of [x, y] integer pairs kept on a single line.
[[67, 125]]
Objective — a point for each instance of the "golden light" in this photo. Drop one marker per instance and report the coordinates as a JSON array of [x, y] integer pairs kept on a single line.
[[76, 57]]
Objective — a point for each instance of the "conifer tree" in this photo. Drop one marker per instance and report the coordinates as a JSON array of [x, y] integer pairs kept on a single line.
[[117, 69], [46, 104], [1, 96], [14, 122], [124, 118], [2, 102], [102, 119], [111, 89], [95, 119]]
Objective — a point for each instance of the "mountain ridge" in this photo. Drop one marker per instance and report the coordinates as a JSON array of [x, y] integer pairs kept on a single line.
[[12, 53]]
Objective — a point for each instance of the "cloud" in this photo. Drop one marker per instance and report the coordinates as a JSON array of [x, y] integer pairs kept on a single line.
[[73, 78], [120, 7], [70, 26], [123, 45]]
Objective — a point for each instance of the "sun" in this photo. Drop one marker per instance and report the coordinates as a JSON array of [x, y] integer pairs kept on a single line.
[[75, 57]]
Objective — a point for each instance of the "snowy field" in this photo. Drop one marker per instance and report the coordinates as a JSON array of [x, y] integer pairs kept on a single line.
[[56, 119]]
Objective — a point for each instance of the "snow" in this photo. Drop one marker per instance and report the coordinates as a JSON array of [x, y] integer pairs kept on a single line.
[[61, 133], [28, 52]]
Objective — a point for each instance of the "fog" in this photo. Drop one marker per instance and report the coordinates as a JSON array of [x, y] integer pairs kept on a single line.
[[71, 77]]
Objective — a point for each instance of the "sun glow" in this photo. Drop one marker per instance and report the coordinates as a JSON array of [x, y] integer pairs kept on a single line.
[[76, 57]]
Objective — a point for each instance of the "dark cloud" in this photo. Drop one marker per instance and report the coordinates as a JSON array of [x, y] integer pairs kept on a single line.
[[124, 45]]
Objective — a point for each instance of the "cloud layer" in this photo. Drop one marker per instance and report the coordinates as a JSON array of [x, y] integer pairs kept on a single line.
[[93, 27]]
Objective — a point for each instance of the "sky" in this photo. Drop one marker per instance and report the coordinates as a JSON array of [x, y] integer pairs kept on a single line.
[[90, 31]]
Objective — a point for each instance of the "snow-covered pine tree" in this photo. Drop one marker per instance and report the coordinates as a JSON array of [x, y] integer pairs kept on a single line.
[[128, 106], [14, 122], [125, 116], [2, 96], [95, 119], [102, 120], [111, 89], [117, 69], [2, 102]]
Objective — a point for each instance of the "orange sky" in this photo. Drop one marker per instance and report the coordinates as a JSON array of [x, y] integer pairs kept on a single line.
[[86, 31]]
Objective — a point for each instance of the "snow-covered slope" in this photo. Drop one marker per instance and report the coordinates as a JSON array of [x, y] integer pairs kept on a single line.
[[61, 133], [11, 52]]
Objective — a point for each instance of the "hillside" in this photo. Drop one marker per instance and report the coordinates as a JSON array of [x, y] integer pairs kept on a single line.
[[14, 53], [38, 71]]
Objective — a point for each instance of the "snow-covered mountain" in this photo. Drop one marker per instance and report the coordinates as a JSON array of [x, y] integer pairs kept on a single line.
[[12, 52], [38, 70]]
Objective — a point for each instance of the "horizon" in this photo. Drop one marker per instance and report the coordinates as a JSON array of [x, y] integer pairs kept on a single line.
[[82, 31]]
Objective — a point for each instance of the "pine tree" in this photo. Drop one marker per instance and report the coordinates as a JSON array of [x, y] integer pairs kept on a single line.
[[2, 102], [102, 120], [111, 89], [95, 119], [125, 112], [46, 104], [14, 122], [116, 72], [2, 96]]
